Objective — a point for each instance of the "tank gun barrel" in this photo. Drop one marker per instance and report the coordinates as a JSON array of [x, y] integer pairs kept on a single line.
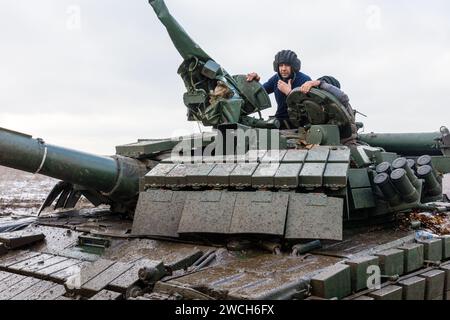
[[115, 177], [185, 45]]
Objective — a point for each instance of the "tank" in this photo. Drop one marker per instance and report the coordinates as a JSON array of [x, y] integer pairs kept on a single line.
[[246, 211]]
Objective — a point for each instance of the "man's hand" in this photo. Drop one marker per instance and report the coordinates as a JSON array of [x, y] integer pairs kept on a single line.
[[284, 87], [253, 77], [307, 86]]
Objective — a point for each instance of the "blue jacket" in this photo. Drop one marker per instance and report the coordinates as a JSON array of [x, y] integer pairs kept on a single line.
[[271, 86]]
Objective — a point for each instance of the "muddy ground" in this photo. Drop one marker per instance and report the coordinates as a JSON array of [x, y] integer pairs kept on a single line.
[[22, 193]]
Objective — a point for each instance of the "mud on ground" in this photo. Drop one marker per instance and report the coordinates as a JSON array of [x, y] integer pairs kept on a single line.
[[22, 193]]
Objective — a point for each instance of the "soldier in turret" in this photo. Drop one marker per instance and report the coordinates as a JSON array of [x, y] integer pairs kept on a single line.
[[287, 66], [333, 86]]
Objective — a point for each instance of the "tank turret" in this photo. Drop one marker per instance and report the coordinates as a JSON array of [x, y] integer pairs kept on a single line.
[[298, 214]]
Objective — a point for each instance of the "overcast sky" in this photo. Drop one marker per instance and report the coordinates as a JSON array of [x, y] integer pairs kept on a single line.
[[92, 74]]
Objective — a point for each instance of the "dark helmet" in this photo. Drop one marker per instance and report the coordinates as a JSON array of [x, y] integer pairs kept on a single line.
[[330, 80], [287, 57]]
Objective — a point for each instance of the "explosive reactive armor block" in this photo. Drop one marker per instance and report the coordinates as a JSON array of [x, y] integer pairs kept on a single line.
[[414, 256], [413, 288], [445, 247], [388, 293], [333, 283], [435, 282], [433, 249], [359, 270], [391, 262]]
